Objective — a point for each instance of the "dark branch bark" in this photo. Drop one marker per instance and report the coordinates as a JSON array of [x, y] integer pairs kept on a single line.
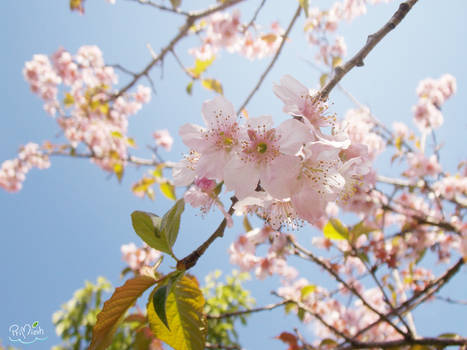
[[372, 41]]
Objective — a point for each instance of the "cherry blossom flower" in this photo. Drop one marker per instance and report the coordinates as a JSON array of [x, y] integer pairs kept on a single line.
[[299, 101], [137, 258], [266, 155], [217, 143], [163, 139]]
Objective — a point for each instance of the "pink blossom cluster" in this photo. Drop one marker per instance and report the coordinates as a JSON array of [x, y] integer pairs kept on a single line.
[[139, 257], [223, 30], [13, 172], [163, 139], [432, 94], [451, 187], [346, 319], [421, 165], [92, 113], [289, 172], [360, 125], [321, 23], [203, 194], [243, 253]]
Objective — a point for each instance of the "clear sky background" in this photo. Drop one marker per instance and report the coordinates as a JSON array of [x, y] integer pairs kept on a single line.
[[68, 223]]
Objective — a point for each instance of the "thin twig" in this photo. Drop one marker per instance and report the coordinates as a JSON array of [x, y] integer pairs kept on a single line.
[[372, 41], [190, 20], [253, 19], [451, 301], [345, 284], [221, 346], [319, 318], [414, 301], [130, 159], [273, 61], [248, 311], [123, 69], [191, 259]]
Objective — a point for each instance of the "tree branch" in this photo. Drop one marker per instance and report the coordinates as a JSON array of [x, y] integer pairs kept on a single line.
[[130, 159], [404, 342], [346, 285], [248, 311], [273, 61], [414, 301], [190, 20], [191, 259], [372, 41]]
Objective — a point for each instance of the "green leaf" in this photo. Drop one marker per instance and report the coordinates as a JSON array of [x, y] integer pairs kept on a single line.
[[289, 307], [328, 342], [184, 312], [335, 230], [168, 190], [158, 299], [307, 290], [360, 229], [305, 5], [170, 224], [115, 308], [69, 100], [189, 88], [449, 336], [301, 314], [213, 84], [148, 227], [34, 325], [200, 67]]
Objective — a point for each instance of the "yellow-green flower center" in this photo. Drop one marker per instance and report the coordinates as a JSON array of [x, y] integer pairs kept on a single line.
[[261, 147]]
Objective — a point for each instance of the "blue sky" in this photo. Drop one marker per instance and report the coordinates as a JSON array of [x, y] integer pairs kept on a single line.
[[68, 223]]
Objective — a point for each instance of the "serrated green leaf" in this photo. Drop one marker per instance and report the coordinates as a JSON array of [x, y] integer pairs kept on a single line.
[[158, 299], [170, 224], [184, 310], [115, 308], [160, 296], [168, 190], [335, 230], [148, 227]]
